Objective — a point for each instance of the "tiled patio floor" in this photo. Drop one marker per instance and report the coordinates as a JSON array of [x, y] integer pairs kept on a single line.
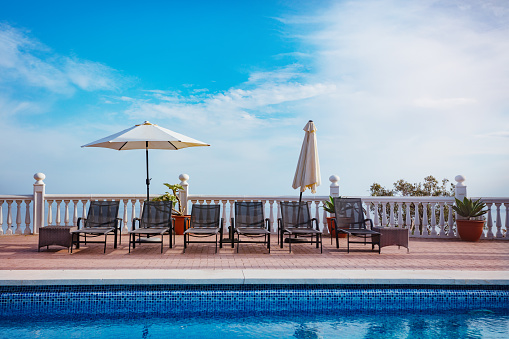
[[19, 252]]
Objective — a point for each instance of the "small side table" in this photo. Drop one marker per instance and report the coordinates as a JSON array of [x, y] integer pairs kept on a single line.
[[55, 235], [393, 236]]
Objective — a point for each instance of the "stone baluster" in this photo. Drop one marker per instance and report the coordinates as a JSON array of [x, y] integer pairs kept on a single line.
[[27, 217], [400, 214], [232, 213], [489, 221], [325, 226], [125, 217], [142, 203], [271, 203], [368, 212], [433, 232], [499, 218], [50, 212], [18, 217], [278, 206], [317, 212], [442, 220], [1, 217], [185, 193], [9, 217], [223, 215], [133, 212], [391, 214], [425, 219], [75, 212], [499, 229], [57, 221], [450, 222], [66, 212], [84, 210], [408, 219], [384, 214], [376, 217], [417, 221]]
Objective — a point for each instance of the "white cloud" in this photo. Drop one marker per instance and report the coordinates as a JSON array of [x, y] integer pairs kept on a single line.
[[26, 62]]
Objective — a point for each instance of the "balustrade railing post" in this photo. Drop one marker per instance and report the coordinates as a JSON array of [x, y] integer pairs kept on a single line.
[[38, 207], [334, 186], [185, 193]]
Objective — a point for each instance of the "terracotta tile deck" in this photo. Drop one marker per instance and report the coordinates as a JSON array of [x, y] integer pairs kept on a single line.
[[19, 252]]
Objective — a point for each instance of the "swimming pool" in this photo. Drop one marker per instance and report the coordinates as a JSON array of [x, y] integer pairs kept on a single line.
[[254, 311]]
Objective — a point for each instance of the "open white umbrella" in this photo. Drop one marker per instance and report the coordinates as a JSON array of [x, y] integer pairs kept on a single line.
[[307, 174], [146, 136]]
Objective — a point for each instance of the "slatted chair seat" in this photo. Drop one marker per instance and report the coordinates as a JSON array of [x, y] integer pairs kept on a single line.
[[204, 222], [155, 221], [102, 220], [357, 226], [249, 222], [297, 223]]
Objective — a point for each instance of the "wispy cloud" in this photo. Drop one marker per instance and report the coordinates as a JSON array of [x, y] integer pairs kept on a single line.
[[24, 61]]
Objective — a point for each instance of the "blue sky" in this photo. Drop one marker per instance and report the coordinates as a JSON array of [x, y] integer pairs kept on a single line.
[[397, 89]]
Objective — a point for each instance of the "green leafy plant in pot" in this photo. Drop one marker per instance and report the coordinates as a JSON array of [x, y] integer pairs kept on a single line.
[[178, 209], [468, 210]]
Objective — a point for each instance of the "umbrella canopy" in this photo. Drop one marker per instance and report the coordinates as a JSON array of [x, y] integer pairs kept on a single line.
[[146, 136], [307, 174]]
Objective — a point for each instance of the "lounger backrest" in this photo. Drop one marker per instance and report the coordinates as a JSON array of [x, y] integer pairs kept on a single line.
[[350, 208], [295, 215], [205, 216], [249, 214], [102, 214], [156, 214]]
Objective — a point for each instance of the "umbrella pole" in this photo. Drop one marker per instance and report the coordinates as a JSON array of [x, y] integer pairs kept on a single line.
[[148, 180]]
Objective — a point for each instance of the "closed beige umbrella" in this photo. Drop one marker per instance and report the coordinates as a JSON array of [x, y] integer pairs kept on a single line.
[[307, 174]]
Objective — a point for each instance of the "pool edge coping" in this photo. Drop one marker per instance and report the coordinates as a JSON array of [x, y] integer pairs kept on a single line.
[[252, 277]]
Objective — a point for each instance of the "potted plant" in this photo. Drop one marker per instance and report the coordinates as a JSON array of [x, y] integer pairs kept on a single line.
[[178, 210], [328, 206], [469, 228]]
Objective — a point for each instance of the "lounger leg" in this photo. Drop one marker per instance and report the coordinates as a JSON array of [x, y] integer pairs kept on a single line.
[[105, 236], [348, 242], [317, 240], [221, 238], [337, 238], [282, 239], [238, 242], [216, 242], [116, 237], [130, 235], [185, 244], [290, 243], [321, 244], [268, 242]]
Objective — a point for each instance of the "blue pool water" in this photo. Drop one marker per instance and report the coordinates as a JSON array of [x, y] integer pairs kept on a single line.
[[256, 311]]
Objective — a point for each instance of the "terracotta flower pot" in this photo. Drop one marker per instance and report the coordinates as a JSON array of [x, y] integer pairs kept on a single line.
[[470, 230], [332, 231], [178, 223]]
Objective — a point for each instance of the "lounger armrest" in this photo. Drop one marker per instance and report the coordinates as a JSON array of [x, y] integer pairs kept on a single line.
[[316, 223], [134, 223], [79, 220], [370, 223]]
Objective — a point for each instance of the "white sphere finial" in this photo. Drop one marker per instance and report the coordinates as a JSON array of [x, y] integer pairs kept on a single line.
[[39, 177], [334, 180], [459, 179], [184, 177]]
